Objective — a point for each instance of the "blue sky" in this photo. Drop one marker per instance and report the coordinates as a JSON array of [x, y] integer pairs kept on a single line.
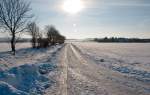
[[98, 18]]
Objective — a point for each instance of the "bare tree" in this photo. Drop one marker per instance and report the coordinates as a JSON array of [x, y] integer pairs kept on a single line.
[[14, 17], [33, 29], [54, 36]]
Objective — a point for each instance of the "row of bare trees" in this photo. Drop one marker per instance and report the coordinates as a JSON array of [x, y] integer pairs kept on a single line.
[[51, 36], [33, 30], [14, 18]]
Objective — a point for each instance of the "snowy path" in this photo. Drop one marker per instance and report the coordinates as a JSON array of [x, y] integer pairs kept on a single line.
[[81, 76]]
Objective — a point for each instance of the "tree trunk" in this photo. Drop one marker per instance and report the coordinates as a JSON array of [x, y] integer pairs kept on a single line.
[[34, 42], [13, 44]]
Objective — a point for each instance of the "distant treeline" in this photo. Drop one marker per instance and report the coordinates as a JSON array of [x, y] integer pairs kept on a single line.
[[124, 40]]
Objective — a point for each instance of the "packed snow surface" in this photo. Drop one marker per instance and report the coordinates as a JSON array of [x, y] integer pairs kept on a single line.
[[76, 68]]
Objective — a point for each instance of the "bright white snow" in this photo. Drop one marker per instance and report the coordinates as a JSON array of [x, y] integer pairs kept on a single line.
[[29, 71], [79, 68]]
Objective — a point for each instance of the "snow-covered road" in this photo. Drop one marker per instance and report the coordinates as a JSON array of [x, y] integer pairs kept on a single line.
[[82, 76], [77, 69]]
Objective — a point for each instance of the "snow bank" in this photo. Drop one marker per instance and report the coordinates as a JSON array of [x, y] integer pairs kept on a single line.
[[29, 71], [26, 79], [6, 89]]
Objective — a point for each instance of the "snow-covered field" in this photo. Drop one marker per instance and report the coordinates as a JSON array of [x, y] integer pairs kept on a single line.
[[6, 46], [76, 68], [132, 55], [132, 60], [29, 72], [136, 55]]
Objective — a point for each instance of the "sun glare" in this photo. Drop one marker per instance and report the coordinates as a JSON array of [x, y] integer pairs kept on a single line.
[[72, 6]]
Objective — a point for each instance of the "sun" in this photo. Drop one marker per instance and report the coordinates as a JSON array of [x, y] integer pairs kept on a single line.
[[72, 6]]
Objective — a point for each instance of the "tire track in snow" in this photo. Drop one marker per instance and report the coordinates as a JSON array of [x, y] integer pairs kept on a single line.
[[63, 77], [78, 82]]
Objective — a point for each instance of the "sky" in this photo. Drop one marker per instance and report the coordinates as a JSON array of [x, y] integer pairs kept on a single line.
[[98, 18]]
